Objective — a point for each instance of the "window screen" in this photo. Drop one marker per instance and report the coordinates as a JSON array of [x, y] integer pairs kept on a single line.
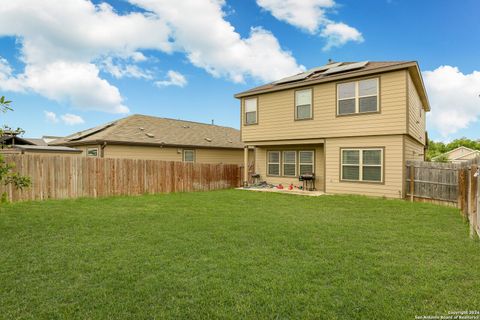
[[303, 104], [306, 162], [251, 111], [289, 163], [362, 165], [357, 96], [273, 163], [189, 155]]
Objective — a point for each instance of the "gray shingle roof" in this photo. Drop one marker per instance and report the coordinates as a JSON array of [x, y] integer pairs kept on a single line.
[[47, 148], [146, 130]]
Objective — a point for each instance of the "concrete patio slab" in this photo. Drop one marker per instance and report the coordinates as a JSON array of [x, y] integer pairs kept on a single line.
[[285, 191]]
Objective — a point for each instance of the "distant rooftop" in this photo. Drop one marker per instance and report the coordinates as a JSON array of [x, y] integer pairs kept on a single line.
[[148, 130]]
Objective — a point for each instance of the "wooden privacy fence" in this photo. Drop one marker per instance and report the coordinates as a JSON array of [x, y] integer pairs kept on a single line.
[[59, 177], [455, 184]]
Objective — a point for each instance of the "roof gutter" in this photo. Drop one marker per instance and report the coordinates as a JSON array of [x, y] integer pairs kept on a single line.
[[145, 144]]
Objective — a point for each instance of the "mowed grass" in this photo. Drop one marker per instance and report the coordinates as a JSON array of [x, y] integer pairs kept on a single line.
[[235, 254]]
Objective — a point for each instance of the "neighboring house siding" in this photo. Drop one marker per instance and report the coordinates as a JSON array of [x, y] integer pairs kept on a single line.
[[219, 156], [392, 186], [276, 119], [459, 153], [416, 121], [174, 154], [261, 163], [143, 152]]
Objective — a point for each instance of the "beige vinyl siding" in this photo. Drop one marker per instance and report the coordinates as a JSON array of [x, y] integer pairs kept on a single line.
[[392, 185], [261, 165], [174, 154], [219, 156], [416, 121], [143, 152], [276, 114], [414, 150]]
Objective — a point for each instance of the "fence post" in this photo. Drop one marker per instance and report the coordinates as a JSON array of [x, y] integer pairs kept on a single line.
[[473, 200], [412, 182], [462, 190]]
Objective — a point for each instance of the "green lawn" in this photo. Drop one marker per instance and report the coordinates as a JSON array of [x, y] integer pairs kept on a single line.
[[235, 254]]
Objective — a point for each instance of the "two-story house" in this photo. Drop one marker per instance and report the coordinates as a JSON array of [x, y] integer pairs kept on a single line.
[[352, 125]]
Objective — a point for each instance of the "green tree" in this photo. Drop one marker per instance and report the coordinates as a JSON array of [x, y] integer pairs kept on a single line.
[[435, 149], [7, 175], [441, 158]]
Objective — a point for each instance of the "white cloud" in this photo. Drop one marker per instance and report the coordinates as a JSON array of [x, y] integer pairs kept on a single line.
[[50, 116], [454, 98], [72, 119], [222, 53], [119, 70], [173, 79], [70, 37], [337, 34], [310, 16], [76, 83], [64, 47]]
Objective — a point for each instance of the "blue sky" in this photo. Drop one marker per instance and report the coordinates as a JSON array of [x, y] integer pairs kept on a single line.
[[138, 56]]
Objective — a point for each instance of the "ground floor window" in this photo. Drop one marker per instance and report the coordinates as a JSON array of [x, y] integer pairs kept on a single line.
[[362, 165], [188, 155], [306, 162], [273, 163], [289, 163]]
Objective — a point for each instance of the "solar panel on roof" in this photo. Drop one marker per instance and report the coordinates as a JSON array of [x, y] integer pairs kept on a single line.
[[347, 67], [296, 77], [307, 73], [324, 67]]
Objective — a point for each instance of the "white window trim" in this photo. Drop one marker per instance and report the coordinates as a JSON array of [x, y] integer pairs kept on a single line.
[[183, 155], [245, 111], [300, 105], [279, 163], [357, 98], [88, 149], [361, 165], [304, 163], [284, 163]]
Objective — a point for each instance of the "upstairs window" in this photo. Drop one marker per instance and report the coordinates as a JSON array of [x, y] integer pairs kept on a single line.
[[362, 165], [289, 163], [251, 111], [303, 104], [357, 97], [188, 155], [273, 163]]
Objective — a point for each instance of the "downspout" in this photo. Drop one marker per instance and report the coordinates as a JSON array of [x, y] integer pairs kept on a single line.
[[102, 149]]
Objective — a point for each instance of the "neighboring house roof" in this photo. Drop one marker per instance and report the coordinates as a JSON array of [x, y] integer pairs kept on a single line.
[[460, 153], [49, 139], [322, 74], [9, 140], [47, 148], [37, 141], [147, 130]]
